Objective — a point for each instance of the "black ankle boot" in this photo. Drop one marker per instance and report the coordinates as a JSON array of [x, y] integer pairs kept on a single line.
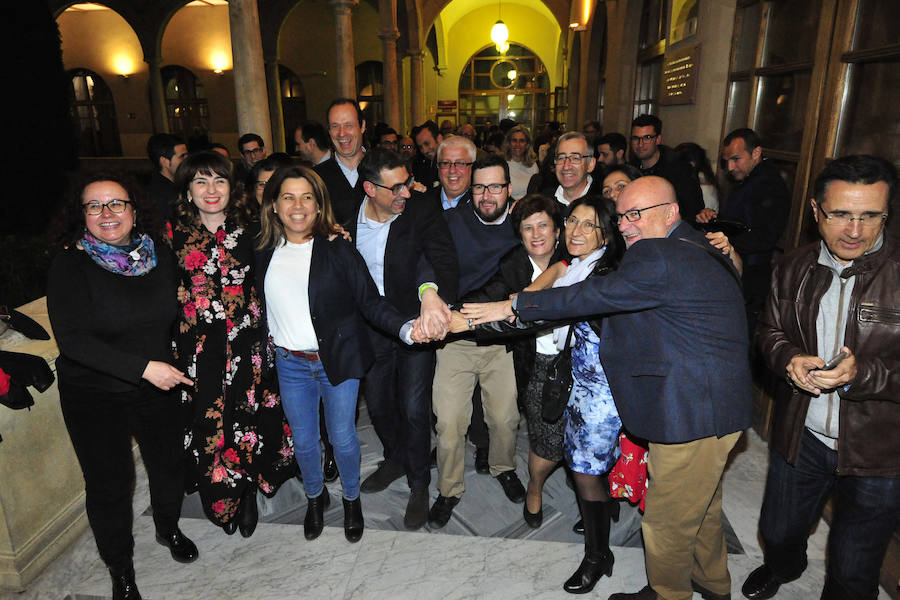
[[123, 585], [249, 513], [315, 514], [353, 520], [598, 558]]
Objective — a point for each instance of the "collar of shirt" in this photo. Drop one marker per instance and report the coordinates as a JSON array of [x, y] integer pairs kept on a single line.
[[352, 175], [325, 157], [364, 221], [827, 259], [561, 194], [447, 202]]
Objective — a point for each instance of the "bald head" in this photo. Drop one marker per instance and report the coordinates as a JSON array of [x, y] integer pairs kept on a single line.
[[651, 204]]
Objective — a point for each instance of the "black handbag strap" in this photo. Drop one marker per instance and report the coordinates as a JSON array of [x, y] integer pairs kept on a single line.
[[720, 259], [569, 336]]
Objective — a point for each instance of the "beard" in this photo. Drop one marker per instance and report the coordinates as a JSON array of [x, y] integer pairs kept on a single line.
[[491, 214]]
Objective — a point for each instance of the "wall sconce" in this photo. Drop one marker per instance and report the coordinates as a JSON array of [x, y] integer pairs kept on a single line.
[[219, 62], [123, 66]]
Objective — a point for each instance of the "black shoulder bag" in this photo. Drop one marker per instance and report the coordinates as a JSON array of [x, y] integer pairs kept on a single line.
[[558, 385]]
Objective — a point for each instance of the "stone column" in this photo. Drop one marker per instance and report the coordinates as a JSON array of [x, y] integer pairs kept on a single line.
[[273, 84], [417, 85], [158, 116], [389, 35], [583, 112], [251, 100], [343, 37]]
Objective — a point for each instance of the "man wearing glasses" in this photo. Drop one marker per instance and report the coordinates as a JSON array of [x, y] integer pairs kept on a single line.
[[674, 348], [391, 232], [455, 157], [252, 149], [483, 233], [652, 158], [835, 427], [574, 161]]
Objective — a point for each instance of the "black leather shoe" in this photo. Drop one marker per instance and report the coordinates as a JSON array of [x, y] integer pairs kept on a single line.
[[533, 520], [481, 461], [329, 468], [182, 548], [646, 593], [387, 472], [760, 584], [578, 527], [230, 527], [588, 574], [416, 509], [512, 487], [707, 594], [441, 511], [315, 515], [248, 516], [123, 585], [353, 520]]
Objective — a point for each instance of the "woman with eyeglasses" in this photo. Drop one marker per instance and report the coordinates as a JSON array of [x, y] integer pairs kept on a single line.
[[236, 436], [591, 421], [111, 301], [521, 158], [317, 291]]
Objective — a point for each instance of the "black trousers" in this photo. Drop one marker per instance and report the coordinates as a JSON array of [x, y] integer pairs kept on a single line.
[[101, 426]]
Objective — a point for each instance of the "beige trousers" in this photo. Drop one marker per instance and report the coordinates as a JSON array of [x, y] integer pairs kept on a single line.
[[682, 526], [459, 366]]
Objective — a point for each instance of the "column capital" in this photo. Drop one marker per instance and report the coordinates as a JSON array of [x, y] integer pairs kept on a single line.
[[389, 34], [342, 5], [415, 53]]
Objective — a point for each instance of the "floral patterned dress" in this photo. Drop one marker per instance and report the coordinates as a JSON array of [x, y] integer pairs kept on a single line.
[[235, 431], [592, 421]]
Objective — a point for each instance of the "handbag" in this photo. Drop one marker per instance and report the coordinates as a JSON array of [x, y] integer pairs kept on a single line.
[[558, 385]]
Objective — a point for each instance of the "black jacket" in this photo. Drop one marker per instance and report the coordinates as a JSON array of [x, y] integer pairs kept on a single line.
[[418, 232], [761, 201], [341, 294], [344, 199]]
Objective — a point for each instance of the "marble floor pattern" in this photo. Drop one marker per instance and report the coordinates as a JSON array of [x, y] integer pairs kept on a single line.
[[486, 551]]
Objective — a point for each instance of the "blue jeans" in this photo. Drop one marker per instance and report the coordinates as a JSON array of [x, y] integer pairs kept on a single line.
[[866, 513], [302, 383]]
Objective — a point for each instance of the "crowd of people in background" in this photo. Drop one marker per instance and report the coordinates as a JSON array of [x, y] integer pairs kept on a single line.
[[605, 286]]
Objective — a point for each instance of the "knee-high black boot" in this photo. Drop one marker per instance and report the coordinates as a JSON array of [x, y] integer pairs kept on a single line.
[[598, 558]]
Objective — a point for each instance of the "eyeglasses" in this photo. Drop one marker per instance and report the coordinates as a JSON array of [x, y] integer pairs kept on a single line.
[[407, 147], [397, 188], [494, 188], [574, 159], [585, 225], [840, 218], [644, 138], [115, 206], [458, 164], [635, 213], [254, 151]]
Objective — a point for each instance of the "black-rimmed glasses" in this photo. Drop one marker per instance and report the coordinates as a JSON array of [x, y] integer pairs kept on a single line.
[[397, 188], [635, 213], [115, 206]]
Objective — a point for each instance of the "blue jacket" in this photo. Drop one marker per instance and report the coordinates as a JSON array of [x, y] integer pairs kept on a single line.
[[674, 340]]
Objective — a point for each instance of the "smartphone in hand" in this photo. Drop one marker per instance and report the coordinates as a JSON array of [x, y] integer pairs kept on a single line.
[[833, 362]]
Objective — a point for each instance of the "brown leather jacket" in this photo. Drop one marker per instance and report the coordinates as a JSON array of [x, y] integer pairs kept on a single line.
[[869, 431]]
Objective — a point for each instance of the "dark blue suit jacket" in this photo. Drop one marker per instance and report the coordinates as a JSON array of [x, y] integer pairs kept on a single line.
[[674, 340], [341, 295]]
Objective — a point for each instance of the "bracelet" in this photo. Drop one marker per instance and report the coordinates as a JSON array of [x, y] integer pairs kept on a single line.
[[425, 286]]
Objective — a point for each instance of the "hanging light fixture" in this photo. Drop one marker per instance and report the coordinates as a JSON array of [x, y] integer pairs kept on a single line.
[[500, 33]]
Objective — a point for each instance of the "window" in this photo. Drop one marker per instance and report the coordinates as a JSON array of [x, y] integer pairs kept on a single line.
[[94, 115], [652, 47], [293, 101], [513, 85], [370, 86], [186, 105]]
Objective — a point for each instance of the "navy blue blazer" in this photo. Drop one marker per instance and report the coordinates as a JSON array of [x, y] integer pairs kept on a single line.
[[674, 340], [341, 295]]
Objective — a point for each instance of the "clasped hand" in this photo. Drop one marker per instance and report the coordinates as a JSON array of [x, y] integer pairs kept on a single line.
[[434, 319], [804, 371]]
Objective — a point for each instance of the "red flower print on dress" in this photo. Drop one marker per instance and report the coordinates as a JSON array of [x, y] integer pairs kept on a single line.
[[190, 311], [231, 456], [218, 474], [194, 260], [220, 235], [218, 507]]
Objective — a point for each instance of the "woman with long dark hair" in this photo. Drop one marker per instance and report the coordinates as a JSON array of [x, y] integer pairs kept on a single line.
[[592, 423], [111, 301], [236, 435]]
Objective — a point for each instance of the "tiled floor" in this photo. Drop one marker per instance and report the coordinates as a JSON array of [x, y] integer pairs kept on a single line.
[[486, 551]]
